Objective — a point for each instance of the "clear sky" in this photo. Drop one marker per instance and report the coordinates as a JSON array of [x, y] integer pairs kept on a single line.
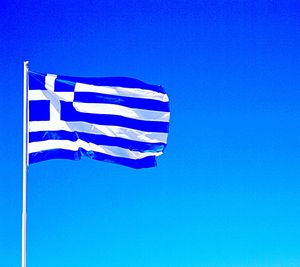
[[227, 190]]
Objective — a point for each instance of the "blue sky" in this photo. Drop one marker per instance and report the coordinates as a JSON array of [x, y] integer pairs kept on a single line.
[[227, 190]]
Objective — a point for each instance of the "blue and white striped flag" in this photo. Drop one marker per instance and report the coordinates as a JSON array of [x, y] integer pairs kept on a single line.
[[119, 120]]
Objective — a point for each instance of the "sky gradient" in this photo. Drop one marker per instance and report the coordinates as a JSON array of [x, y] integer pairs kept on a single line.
[[227, 190]]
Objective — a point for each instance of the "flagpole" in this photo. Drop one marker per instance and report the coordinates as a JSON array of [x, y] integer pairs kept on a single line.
[[25, 161]]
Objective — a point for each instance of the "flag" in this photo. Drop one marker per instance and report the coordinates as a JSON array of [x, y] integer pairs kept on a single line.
[[119, 120]]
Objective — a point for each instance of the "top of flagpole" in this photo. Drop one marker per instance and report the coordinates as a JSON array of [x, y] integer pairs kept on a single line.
[[26, 68]]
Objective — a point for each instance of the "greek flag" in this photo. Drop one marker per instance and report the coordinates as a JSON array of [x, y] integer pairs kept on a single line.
[[119, 120]]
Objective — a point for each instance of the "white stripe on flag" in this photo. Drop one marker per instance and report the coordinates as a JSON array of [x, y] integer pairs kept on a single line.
[[111, 109], [112, 131], [46, 95], [121, 91], [74, 146]]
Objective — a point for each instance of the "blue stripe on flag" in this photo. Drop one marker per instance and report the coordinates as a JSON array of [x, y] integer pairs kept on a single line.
[[69, 113], [150, 104], [114, 81], [63, 85], [35, 157], [96, 139]]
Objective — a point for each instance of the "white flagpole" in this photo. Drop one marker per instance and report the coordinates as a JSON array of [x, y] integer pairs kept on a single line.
[[25, 161]]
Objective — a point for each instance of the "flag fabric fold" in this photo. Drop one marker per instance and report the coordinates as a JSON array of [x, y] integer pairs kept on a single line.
[[119, 120]]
